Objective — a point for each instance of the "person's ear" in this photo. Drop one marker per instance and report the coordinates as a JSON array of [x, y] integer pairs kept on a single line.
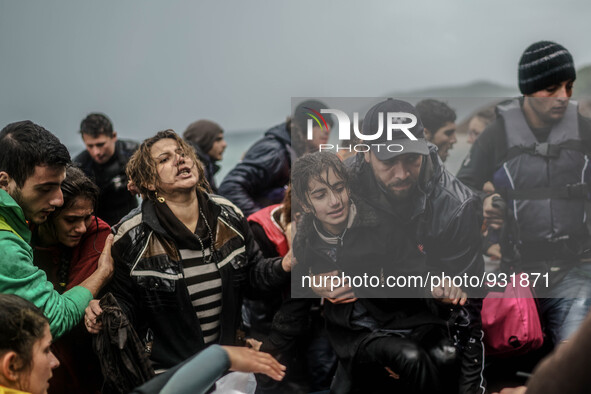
[[4, 180], [366, 156], [306, 208], [428, 135], [9, 366]]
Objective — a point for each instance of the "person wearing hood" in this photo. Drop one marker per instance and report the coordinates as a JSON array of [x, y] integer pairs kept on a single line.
[[207, 138], [261, 178]]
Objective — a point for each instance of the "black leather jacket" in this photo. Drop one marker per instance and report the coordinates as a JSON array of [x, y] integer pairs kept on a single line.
[[115, 201], [150, 287], [443, 220]]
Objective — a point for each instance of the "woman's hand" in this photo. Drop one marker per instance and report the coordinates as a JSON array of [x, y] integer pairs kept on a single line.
[[449, 294], [290, 232], [341, 294], [105, 263], [513, 390], [92, 312], [244, 359], [288, 261], [493, 214], [253, 344], [104, 271]]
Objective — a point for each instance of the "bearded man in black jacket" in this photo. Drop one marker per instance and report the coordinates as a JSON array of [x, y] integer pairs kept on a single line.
[[409, 188]]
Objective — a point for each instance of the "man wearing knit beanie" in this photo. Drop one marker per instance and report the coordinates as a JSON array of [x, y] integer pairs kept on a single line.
[[536, 154], [544, 64], [207, 138], [546, 77]]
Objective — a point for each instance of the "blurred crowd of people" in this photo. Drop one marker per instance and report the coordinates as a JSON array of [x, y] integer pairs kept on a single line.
[[133, 271]]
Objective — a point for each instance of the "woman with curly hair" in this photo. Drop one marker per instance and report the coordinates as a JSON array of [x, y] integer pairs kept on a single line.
[[184, 259]]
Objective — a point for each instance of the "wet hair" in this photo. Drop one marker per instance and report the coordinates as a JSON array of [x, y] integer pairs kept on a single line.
[[76, 185], [21, 325], [25, 145], [435, 114], [290, 208], [95, 125], [142, 170], [314, 166]]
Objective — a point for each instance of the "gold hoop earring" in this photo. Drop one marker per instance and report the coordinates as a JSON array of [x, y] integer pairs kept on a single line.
[[160, 199]]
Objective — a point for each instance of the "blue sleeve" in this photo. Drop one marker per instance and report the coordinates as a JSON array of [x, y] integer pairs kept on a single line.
[[195, 376], [210, 364]]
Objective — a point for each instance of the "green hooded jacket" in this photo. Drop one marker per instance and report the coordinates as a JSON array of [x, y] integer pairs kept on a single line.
[[19, 276]]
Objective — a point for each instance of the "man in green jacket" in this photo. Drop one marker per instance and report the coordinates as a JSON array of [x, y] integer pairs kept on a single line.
[[32, 167]]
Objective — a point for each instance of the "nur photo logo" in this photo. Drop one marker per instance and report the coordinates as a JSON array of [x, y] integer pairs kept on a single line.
[[390, 123]]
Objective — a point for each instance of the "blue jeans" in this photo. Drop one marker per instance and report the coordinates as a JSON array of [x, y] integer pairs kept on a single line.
[[567, 303]]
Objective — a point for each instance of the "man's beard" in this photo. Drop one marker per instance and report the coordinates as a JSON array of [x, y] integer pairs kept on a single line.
[[399, 196], [17, 196], [402, 196]]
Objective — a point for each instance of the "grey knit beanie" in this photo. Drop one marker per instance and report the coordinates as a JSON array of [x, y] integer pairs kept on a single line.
[[543, 64]]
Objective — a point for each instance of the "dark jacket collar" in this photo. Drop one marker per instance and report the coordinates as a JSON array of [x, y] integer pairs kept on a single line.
[[150, 218], [280, 132], [365, 216]]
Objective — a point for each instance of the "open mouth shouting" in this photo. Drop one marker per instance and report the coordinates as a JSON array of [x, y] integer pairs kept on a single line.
[[184, 172]]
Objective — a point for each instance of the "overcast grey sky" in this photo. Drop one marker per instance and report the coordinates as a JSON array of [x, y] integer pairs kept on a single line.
[[151, 64]]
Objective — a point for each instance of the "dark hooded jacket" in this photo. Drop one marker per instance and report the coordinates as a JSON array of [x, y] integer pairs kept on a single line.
[[260, 179], [149, 282], [115, 201], [443, 219]]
